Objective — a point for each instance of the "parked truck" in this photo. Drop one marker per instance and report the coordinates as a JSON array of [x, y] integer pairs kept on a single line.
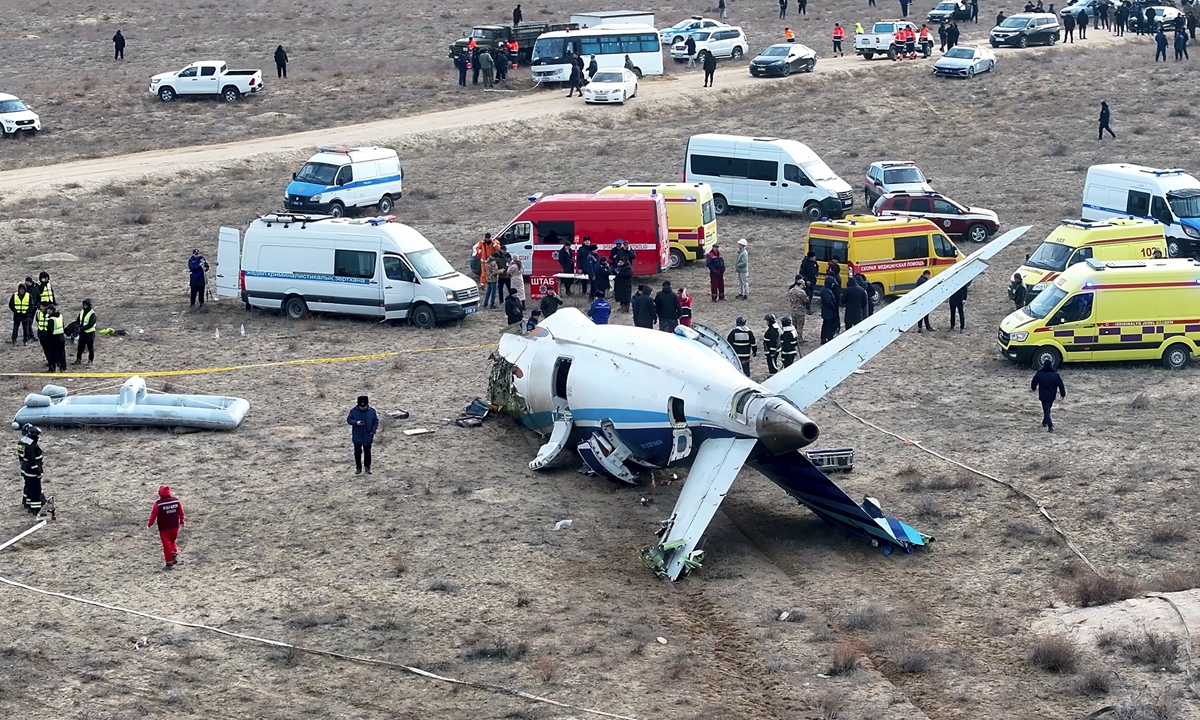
[[207, 77], [486, 37], [881, 40]]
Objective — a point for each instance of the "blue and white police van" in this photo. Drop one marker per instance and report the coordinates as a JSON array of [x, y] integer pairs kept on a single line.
[[338, 179]]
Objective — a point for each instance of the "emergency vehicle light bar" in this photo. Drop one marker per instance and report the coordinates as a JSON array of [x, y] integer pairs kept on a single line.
[[381, 220], [1160, 173], [335, 151], [535, 197], [1086, 225]]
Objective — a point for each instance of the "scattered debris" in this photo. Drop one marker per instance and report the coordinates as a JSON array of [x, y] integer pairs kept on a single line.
[[562, 524], [661, 640], [832, 459], [398, 414], [646, 501], [474, 414], [783, 616], [242, 330], [418, 431]]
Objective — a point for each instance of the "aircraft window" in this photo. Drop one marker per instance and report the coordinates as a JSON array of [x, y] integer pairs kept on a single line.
[[741, 401]]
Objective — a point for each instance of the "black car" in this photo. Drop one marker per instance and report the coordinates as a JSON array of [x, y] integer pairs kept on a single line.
[[1024, 29], [949, 11], [784, 59]]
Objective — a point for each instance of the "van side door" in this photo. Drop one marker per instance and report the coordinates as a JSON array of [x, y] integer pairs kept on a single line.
[[517, 240], [795, 189], [762, 187], [399, 287], [356, 289], [345, 176], [1074, 327]]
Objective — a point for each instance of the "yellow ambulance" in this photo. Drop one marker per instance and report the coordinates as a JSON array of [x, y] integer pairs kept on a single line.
[[891, 251], [1074, 241], [1097, 311], [691, 222]]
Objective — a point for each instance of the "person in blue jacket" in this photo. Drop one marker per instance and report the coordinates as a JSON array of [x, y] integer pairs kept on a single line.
[[364, 421], [599, 310], [197, 267]]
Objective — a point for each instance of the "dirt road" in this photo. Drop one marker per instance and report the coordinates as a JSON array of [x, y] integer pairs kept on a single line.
[[46, 180]]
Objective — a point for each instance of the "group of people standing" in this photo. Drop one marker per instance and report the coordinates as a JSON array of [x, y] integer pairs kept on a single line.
[[492, 63], [498, 269], [35, 315], [715, 262]]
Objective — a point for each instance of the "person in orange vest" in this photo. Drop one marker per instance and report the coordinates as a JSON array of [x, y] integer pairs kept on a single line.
[[514, 51], [789, 35], [910, 43], [898, 44], [481, 252], [924, 38], [838, 36], [471, 43]]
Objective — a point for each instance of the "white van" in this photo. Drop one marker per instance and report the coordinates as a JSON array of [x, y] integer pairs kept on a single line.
[[1171, 197], [766, 173], [303, 263], [337, 179]]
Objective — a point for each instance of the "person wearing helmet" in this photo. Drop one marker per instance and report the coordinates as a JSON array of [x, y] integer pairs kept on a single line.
[[29, 453], [789, 342], [771, 344], [744, 346], [87, 332]]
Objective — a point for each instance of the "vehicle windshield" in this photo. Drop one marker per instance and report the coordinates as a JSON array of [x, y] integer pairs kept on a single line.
[[960, 52], [903, 175], [1014, 22], [485, 33], [1050, 256], [775, 51], [11, 106], [682, 24], [607, 77], [549, 50], [1184, 206], [429, 263], [817, 171], [1044, 303], [945, 6], [701, 36], [317, 173]]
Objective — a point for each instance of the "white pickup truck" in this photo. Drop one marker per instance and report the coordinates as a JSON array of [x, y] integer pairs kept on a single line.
[[881, 40], [207, 77]]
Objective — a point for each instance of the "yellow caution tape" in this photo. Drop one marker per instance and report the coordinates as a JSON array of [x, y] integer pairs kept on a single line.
[[205, 371]]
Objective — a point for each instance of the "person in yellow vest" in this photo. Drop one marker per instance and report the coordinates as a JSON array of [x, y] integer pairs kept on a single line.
[[45, 293], [41, 323], [87, 332], [21, 304], [56, 344]]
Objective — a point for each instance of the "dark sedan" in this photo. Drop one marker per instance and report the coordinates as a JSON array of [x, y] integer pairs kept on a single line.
[[784, 59]]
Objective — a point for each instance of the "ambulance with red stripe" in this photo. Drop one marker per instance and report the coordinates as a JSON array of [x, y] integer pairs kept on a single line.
[[691, 221], [891, 251], [1097, 311], [537, 233], [1074, 241]]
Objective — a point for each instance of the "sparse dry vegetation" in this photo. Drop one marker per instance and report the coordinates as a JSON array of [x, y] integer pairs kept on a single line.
[[1055, 653], [1089, 589]]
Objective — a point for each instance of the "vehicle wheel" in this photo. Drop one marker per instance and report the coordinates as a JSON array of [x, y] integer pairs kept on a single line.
[[977, 233], [867, 55], [971, 72], [1173, 248], [230, 95], [991, 65], [675, 259], [1176, 357], [736, 54], [891, 54], [336, 209], [995, 44], [720, 204], [295, 308], [422, 316], [1022, 42], [638, 72], [813, 211], [787, 70], [1046, 353], [812, 65], [166, 94], [678, 39], [385, 204], [1054, 38], [867, 198], [927, 49], [877, 296]]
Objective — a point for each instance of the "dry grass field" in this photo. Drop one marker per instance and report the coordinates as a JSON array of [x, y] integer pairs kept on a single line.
[[446, 557]]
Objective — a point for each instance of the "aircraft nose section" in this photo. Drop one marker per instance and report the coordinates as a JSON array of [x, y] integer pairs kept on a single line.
[[782, 427]]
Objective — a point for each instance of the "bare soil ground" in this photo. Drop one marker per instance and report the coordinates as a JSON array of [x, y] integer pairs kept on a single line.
[[447, 558]]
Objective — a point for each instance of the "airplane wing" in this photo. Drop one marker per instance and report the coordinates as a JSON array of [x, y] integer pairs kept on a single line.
[[810, 377], [717, 463]]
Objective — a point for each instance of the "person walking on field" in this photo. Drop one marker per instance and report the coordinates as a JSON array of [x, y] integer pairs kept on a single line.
[[1047, 382], [690, 46], [957, 300], [364, 421], [197, 267], [716, 272], [1105, 118], [1068, 24], [742, 266], [281, 62], [722, 10], [87, 332], [576, 82], [118, 46], [168, 514], [710, 68], [838, 36]]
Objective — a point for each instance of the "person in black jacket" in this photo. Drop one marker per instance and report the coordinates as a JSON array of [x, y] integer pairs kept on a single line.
[[742, 340], [666, 305], [550, 303], [463, 64], [690, 46], [1068, 24], [623, 283], [281, 61], [600, 273], [517, 15], [956, 306], [1017, 291], [716, 273], [710, 68], [870, 292], [1081, 22], [566, 261], [118, 46], [1047, 382], [924, 322], [512, 307], [855, 300], [1105, 117], [830, 321], [771, 344], [644, 311], [475, 66], [583, 261], [576, 80]]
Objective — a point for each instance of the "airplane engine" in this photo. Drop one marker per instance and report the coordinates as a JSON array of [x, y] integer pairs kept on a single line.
[[781, 427]]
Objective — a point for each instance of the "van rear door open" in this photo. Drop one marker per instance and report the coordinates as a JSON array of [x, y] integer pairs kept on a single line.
[[229, 262]]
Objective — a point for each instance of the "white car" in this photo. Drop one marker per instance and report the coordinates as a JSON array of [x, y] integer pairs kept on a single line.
[[965, 61], [611, 85], [684, 29], [16, 117], [729, 42]]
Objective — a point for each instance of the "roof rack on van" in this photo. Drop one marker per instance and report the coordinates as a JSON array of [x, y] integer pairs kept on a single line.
[[1160, 173], [287, 218], [1085, 224], [1094, 264], [620, 183], [337, 151], [765, 139], [380, 220]]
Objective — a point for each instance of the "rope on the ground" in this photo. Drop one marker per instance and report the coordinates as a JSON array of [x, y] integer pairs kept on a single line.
[[490, 687], [255, 366], [1040, 508], [1187, 633]]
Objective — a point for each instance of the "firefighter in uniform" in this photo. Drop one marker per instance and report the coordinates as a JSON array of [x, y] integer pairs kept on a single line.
[[742, 340], [87, 332], [771, 344], [789, 342], [29, 453]]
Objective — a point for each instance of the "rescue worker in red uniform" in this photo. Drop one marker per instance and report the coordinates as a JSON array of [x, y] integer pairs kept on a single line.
[[838, 36], [168, 513]]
